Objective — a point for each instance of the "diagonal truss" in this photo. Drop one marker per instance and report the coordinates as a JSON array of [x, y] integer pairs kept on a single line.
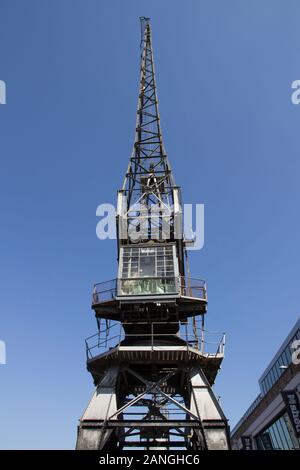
[[156, 409], [149, 173]]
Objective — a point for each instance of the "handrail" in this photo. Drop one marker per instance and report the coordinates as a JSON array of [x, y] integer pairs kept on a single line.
[[106, 339], [97, 334], [153, 277], [186, 286]]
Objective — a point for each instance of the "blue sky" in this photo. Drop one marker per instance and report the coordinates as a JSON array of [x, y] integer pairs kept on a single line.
[[224, 73]]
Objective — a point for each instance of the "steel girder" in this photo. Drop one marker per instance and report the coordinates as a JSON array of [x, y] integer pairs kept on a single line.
[[191, 417]]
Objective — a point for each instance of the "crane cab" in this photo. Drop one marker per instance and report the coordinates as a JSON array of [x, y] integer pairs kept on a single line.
[[147, 271]]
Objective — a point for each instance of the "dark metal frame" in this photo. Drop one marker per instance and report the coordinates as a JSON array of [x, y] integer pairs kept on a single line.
[[147, 364]]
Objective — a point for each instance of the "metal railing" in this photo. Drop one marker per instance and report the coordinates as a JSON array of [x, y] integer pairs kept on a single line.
[[113, 333], [193, 287], [104, 291], [147, 286]]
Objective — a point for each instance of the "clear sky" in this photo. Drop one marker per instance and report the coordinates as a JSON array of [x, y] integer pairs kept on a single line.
[[224, 73]]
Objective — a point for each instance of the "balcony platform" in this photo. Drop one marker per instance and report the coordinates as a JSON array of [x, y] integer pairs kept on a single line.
[[184, 356], [182, 303], [144, 343]]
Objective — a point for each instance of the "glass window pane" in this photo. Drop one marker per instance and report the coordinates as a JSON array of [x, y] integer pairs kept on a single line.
[[271, 377], [275, 437], [285, 433], [276, 371], [259, 443], [288, 352], [147, 265], [267, 384], [280, 434], [285, 358], [148, 270]]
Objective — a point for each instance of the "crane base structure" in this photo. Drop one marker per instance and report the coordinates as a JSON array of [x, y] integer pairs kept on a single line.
[[155, 396]]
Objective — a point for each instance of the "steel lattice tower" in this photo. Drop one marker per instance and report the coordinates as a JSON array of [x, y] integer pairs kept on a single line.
[[149, 363]]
